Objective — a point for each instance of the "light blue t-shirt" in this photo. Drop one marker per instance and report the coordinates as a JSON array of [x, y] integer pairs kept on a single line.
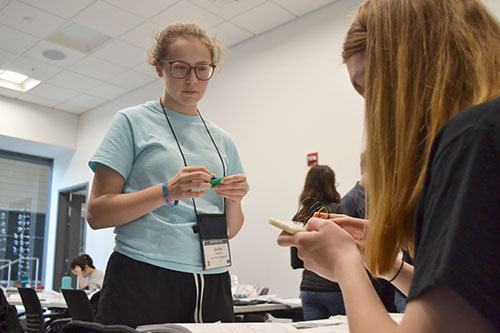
[[141, 147]]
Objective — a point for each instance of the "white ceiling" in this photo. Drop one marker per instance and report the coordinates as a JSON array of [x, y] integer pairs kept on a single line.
[[83, 81]]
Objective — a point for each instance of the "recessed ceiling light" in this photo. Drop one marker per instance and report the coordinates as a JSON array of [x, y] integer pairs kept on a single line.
[[53, 54], [78, 37], [12, 76], [17, 81]]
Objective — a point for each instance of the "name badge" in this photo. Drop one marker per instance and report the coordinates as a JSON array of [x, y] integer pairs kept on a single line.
[[214, 241], [216, 253]]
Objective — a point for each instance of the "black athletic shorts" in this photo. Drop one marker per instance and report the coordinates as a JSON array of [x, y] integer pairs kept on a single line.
[[136, 293]]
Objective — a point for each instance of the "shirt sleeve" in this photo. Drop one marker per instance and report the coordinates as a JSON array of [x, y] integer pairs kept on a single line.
[[235, 166], [117, 148], [458, 222]]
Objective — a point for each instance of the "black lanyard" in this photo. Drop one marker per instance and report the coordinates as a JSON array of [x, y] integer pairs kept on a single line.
[[182, 154]]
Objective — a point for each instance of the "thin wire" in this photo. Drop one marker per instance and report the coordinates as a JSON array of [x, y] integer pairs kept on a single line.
[[216, 148], [182, 154], [301, 204], [316, 205], [305, 217], [321, 209]]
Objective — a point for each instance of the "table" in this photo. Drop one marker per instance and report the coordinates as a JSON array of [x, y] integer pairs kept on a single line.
[[255, 312], [48, 299], [258, 312]]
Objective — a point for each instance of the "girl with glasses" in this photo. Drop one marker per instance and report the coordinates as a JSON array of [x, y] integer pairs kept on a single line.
[[430, 74], [152, 184]]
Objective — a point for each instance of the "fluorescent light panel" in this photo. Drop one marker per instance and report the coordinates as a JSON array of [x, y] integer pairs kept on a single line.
[[17, 81], [12, 76]]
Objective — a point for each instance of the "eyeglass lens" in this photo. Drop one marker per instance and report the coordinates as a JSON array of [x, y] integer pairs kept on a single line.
[[181, 70]]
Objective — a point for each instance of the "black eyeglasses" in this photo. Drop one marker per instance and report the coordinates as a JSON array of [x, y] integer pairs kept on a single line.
[[181, 70]]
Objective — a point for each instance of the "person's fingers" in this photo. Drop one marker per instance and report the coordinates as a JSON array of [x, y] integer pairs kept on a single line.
[[315, 223], [191, 169], [196, 185], [196, 194], [286, 239], [321, 215], [355, 227], [224, 191], [233, 179], [196, 176], [333, 216]]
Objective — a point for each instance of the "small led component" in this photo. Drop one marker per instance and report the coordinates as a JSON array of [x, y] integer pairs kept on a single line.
[[215, 181]]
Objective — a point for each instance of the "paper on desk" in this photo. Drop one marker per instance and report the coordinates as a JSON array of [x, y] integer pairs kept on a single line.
[[333, 320], [219, 328], [291, 302]]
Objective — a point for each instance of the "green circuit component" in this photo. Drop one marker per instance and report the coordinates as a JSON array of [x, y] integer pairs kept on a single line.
[[216, 181]]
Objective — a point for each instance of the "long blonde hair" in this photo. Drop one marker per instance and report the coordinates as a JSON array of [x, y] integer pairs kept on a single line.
[[426, 61]]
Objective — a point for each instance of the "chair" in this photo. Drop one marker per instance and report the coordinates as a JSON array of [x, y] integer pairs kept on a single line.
[[76, 326], [94, 300], [79, 305], [35, 318]]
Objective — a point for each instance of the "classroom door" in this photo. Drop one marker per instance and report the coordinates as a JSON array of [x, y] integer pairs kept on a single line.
[[71, 227]]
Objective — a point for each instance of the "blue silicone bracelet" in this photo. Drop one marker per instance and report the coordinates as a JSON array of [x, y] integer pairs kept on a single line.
[[166, 196]]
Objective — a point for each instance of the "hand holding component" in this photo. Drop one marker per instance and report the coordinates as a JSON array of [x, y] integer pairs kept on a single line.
[[189, 182], [233, 187], [324, 250]]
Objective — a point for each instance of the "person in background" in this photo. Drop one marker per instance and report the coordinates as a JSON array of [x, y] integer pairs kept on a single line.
[[354, 200], [320, 297], [89, 277], [152, 185], [430, 74]]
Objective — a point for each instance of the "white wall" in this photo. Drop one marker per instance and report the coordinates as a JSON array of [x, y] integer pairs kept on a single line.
[[40, 125]]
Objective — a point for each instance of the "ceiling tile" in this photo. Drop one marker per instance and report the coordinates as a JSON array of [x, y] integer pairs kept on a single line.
[[122, 53], [29, 19], [185, 11], [107, 91], [63, 8], [230, 10], [32, 68], [144, 8], [97, 68], [27, 97], [147, 69], [142, 35], [230, 33], [85, 101], [76, 81], [9, 92], [36, 52], [15, 41], [5, 57], [131, 80], [301, 7], [3, 3], [52, 92], [108, 19], [71, 108], [263, 18]]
